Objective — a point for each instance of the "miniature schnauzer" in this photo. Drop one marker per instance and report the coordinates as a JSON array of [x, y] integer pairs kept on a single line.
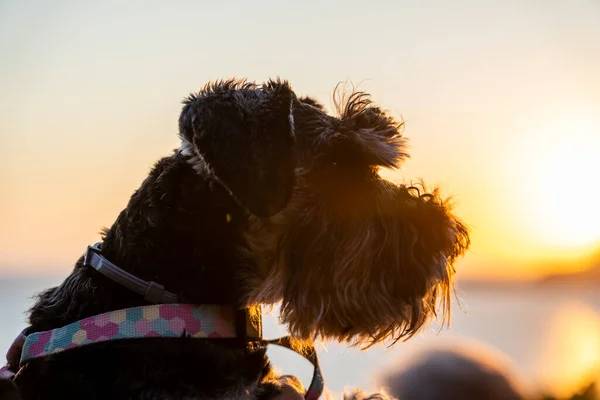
[[269, 199]]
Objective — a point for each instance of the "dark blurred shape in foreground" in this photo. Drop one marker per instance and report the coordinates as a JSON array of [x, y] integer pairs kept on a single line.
[[455, 373]]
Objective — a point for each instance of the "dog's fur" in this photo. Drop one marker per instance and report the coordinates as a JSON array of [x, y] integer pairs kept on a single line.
[[269, 199]]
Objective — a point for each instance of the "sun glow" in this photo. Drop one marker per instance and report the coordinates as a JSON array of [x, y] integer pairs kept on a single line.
[[561, 183], [570, 352]]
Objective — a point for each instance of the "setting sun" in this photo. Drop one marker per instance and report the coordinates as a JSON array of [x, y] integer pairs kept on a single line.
[[570, 353], [560, 182]]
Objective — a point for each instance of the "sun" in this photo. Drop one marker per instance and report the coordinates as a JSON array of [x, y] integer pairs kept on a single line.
[[561, 183]]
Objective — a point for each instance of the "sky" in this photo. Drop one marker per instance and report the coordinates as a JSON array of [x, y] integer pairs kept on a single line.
[[501, 101]]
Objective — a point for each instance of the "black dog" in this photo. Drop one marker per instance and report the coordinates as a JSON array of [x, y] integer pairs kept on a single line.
[[269, 199]]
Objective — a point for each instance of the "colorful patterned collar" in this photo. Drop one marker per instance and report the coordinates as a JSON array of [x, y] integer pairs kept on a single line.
[[158, 320]]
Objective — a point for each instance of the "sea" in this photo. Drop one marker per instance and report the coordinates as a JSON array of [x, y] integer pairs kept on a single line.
[[549, 335]]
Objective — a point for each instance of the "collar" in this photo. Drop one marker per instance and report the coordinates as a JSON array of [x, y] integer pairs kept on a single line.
[[157, 320], [248, 321]]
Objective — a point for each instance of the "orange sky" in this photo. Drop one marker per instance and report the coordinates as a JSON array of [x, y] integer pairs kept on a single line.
[[501, 101]]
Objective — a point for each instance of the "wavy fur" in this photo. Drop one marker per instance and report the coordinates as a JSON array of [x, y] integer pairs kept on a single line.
[[353, 257]]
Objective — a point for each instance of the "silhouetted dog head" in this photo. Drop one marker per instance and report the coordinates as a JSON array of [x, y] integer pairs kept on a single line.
[[351, 256]]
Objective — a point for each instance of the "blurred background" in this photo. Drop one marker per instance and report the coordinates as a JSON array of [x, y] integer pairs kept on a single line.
[[502, 107]]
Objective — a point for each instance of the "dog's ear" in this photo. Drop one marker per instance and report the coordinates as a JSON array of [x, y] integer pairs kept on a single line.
[[376, 136], [244, 135]]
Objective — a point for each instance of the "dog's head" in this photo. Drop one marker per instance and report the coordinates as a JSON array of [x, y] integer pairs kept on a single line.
[[351, 256]]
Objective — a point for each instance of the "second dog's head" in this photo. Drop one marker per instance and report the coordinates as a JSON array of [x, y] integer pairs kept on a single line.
[[351, 256]]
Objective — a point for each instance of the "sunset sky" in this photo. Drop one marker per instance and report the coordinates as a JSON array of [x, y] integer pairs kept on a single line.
[[501, 101]]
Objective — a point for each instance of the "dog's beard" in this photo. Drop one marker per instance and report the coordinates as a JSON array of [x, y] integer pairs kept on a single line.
[[378, 273]]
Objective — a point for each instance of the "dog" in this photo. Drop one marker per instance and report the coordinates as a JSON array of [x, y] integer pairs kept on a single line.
[[269, 200]]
